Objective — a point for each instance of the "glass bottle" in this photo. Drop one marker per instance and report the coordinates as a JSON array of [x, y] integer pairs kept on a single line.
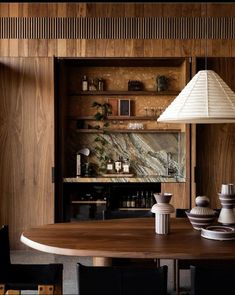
[[92, 85], [118, 165], [100, 84], [128, 203], [84, 83], [143, 200], [133, 201], [109, 167], [126, 166]]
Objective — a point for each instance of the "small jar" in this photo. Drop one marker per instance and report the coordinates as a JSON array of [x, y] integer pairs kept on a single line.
[[126, 166], [110, 166]]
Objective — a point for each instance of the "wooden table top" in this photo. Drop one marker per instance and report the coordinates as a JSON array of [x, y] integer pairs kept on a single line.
[[132, 238]]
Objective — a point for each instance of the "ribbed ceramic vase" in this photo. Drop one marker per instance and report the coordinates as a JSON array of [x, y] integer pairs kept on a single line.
[[227, 200], [162, 210]]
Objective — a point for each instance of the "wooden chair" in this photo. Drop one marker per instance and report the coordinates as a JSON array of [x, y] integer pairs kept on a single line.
[[46, 278], [106, 280], [215, 279]]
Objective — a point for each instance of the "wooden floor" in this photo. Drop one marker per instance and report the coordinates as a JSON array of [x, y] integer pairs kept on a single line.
[[69, 262]]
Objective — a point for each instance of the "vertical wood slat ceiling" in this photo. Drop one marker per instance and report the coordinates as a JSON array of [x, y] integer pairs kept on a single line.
[[117, 28]]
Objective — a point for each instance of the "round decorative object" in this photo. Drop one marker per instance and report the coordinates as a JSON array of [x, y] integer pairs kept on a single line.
[[201, 216], [200, 221], [218, 233], [202, 201]]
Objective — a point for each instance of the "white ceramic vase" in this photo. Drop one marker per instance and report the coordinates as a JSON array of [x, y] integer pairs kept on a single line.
[[162, 210]]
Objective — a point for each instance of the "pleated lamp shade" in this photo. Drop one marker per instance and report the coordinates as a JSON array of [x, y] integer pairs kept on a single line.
[[205, 99]]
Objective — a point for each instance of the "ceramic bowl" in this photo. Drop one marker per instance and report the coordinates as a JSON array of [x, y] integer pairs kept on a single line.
[[163, 198], [200, 221]]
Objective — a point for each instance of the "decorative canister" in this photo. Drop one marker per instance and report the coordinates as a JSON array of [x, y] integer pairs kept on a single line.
[[202, 215], [162, 210], [227, 200]]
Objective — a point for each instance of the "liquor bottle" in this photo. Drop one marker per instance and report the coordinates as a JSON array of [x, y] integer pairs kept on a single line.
[[92, 86], [128, 203], [124, 202], [138, 200], [133, 202], [100, 84], [143, 200], [84, 83]]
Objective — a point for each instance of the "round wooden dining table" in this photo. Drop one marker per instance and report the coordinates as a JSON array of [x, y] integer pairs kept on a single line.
[[126, 238]]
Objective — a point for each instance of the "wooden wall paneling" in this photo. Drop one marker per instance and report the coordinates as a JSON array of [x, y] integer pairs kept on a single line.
[[216, 165], [71, 45], [180, 198], [52, 43], [62, 43], [138, 46], [152, 47], [90, 47], [190, 9], [81, 48], [13, 43], [119, 48], [151, 9], [23, 44], [4, 43], [38, 47], [26, 144]]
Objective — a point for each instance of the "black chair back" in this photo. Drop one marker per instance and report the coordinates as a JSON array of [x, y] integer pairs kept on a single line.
[[27, 276], [115, 280], [216, 280], [5, 247]]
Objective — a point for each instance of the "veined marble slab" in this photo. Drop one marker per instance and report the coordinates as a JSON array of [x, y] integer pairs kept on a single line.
[[147, 152], [150, 179]]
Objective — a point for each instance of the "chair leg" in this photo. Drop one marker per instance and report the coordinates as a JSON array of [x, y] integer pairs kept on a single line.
[[177, 277], [2, 289], [13, 292], [45, 290]]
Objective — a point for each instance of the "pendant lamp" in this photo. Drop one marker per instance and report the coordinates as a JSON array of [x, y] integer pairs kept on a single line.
[[205, 99]]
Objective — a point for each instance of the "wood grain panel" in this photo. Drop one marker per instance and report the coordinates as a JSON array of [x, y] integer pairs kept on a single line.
[[180, 199], [215, 149], [26, 144], [27, 47]]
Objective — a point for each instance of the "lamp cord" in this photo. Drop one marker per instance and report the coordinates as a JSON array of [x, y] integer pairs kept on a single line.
[[206, 43]]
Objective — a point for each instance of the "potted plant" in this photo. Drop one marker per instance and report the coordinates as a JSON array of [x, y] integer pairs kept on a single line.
[[103, 110]]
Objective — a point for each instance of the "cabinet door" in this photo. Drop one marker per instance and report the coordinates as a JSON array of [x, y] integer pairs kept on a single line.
[[26, 144]]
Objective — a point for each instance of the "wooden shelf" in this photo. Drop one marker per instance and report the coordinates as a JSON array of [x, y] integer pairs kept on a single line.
[[89, 202], [127, 130], [115, 118], [120, 93], [134, 209]]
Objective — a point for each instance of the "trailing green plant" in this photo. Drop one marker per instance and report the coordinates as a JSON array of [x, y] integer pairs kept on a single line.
[[103, 110]]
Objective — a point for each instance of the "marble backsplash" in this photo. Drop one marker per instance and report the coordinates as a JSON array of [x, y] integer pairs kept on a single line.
[[148, 153]]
